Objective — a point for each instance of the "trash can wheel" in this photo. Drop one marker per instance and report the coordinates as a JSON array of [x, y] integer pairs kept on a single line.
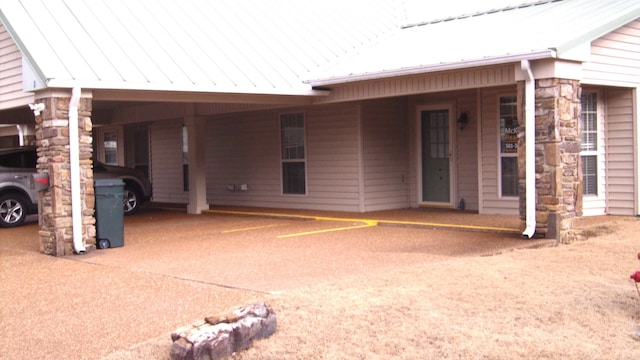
[[103, 244]]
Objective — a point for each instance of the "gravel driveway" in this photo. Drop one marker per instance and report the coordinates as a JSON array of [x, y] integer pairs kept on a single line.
[[175, 268]]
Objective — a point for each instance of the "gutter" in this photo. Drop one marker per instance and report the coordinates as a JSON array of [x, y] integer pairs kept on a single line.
[[422, 69], [74, 155], [182, 91], [530, 158]]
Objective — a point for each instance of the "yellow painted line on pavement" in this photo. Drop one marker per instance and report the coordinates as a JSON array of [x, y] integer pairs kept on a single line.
[[453, 226], [367, 222], [257, 213], [251, 228]]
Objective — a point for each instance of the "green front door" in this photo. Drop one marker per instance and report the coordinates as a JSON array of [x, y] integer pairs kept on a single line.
[[435, 157]]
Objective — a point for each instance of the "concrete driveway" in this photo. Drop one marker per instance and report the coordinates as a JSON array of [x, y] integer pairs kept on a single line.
[[175, 268]]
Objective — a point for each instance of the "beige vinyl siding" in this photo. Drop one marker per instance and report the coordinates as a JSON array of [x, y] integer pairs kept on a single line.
[[333, 175], [11, 94], [492, 202], [166, 162], [615, 58], [245, 149], [620, 156], [384, 144], [467, 151], [420, 84]]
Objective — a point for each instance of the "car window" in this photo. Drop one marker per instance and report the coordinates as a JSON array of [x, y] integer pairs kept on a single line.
[[22, 159]]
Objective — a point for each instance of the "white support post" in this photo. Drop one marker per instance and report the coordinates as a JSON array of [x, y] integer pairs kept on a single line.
[[197, 174]]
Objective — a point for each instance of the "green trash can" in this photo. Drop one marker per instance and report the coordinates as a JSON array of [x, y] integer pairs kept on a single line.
[[109, 213]]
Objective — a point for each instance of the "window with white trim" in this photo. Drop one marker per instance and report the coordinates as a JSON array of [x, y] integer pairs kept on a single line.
[[509, 145], [589, 150], [293, 153]]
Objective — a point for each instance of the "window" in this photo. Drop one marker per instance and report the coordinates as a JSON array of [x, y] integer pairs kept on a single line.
[[589, 151], [26, 159], [110, 148], [509, 146], [185, 158], [293, 153]]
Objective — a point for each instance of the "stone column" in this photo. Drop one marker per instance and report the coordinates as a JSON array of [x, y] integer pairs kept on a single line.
[[54, 207], [558, 169]]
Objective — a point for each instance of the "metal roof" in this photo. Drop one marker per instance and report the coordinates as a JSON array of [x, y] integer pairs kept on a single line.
[[276, 46], [231, 46], [542, 29]]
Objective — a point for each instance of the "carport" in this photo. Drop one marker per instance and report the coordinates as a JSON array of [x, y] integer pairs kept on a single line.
[[356, 132]]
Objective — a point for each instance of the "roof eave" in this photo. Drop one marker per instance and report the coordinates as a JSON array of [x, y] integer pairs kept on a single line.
[[431, 68], [186, 88]]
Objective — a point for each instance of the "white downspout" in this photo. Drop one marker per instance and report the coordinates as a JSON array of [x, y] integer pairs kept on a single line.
[[21, 135], [530, 151], [74, 154]]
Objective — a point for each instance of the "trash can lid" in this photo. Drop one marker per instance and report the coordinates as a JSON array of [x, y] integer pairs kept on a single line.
[[108, 182]]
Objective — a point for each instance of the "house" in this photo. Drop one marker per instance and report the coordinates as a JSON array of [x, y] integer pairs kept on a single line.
[[344, 106]]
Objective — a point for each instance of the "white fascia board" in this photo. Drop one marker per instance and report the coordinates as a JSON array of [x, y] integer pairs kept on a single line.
[[102, 85], [422, 69], [553, 68]]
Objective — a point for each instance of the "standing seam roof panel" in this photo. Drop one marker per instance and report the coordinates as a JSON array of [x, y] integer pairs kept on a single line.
[[534, 28]]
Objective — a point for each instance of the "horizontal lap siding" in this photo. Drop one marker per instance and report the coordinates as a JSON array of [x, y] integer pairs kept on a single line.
[[423, 83], [11, 94], [245, 149], [166, 147], [615, 58], [333, 158], [620, 155], [467, 151], [384, 144], [493, 203]]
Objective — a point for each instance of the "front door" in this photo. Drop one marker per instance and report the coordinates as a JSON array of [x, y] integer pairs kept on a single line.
[[436, 152]]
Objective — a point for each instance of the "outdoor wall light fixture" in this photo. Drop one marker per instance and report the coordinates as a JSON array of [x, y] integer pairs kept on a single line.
[[463, 120]]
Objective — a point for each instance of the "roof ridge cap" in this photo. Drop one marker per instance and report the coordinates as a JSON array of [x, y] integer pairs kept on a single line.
[[480, 13]]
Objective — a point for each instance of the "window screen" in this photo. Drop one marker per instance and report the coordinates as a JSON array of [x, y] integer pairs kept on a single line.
[[293, 153], [589, 153]]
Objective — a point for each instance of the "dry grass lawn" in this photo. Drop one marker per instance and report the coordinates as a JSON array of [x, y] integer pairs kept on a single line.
[[573, 301]]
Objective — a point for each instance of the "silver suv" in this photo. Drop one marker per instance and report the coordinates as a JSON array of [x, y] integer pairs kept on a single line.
[[19, 197]]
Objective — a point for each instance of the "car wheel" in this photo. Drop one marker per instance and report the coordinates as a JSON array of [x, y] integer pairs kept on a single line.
[[130, 201], [12, 210]]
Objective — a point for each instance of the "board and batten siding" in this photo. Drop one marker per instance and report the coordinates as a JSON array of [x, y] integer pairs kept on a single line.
[[492, 201], [244, 149], [384, 150], [620, 156], [11, 94], [615, 58], [166, 162]]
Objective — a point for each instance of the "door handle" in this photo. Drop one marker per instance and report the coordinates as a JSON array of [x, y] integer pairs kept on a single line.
[[20, 177]]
